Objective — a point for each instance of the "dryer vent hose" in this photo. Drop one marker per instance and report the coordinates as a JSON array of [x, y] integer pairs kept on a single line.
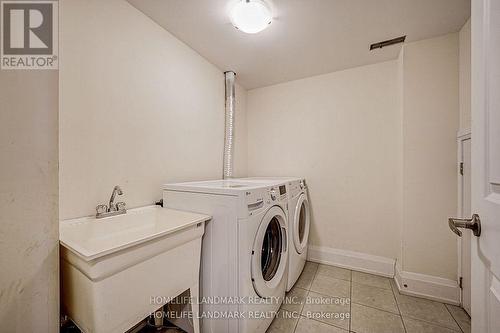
[[228, 159]]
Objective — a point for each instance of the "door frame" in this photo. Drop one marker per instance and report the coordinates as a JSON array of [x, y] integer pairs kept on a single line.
[[462, 135]]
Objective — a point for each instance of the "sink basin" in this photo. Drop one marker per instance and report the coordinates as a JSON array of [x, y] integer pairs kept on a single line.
[[115, 269], [91, 238]]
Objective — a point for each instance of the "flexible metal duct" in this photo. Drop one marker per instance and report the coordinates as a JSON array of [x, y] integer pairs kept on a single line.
[[229, 125]]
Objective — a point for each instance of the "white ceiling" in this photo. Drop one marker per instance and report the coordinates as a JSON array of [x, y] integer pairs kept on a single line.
[[307, 37]]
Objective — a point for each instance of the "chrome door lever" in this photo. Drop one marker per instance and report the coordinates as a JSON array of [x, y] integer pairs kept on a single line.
[[473, 224]]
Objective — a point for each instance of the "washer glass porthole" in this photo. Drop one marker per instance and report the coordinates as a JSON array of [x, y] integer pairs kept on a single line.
[[271, 250], [302, 221]]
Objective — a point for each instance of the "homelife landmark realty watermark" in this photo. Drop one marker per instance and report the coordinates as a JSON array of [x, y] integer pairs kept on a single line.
[[29, 34]]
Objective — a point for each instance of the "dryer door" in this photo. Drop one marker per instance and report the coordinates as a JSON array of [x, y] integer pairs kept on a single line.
[[269, 255], [301, 221]]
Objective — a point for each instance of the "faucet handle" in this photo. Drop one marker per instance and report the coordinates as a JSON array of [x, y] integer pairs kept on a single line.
[[120, 206], [101, 209]]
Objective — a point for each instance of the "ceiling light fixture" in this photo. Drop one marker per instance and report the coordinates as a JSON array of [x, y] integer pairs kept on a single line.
[[250, 16]]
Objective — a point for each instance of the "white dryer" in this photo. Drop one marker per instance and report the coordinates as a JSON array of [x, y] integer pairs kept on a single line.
[[244, 251], [299, 221]]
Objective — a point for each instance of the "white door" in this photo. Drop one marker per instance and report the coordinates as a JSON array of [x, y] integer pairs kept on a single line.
[[485, 249]]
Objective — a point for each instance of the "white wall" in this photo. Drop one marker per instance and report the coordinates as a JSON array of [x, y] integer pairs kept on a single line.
[[138, 108], [376, 143], [377, 147], [341, 131], [465, 76], [430, 124], [29, 247]]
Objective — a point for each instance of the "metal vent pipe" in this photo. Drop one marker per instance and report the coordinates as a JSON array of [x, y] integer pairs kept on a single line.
[[229, 125]]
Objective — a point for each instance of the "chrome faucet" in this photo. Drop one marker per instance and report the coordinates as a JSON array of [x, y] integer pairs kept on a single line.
[[117, 190], [111, 209]]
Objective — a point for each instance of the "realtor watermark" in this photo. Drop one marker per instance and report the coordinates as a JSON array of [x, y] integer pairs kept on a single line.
[[29, 38], [235, 300]]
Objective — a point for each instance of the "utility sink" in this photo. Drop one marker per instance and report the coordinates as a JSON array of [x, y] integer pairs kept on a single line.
[[117, 270]]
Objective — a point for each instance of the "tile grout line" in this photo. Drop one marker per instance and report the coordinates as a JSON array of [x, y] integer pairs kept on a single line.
[[379, 309], [369, 306], [300, 310], [326, 295], [426, 321], [452, 316], [308, 292], [296, 324], [397, 305], [370, 285], [335, 277], [433, 323], [314, 277], [350, 294], [319, 321], [324, 323]]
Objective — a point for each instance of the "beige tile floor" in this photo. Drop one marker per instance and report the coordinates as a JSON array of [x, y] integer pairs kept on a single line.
[[331, 299]]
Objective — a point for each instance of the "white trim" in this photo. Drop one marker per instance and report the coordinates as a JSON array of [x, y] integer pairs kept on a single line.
[[428, 286], [420, 285], [463, 133], [462, 136], [352, 260]]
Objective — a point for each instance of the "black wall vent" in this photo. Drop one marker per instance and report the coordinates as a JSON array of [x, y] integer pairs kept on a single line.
[[385, 43]]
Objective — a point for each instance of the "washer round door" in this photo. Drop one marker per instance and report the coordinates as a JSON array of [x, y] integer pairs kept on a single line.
[[301, 221], [269, 255]]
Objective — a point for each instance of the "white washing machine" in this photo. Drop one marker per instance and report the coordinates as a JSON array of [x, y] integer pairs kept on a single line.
[[299, 221], [244, 251]]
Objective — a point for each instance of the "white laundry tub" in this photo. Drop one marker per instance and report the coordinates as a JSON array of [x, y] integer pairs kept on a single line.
[[117, 270]]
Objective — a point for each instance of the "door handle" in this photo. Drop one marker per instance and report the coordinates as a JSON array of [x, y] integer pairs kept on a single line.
[[473, 224]]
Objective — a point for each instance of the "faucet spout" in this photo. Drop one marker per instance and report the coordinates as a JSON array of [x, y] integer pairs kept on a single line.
[[116, 190], [112, 208]]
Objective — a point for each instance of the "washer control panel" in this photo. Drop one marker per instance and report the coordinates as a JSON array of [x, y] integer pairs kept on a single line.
[[267, 196], [278, 193]]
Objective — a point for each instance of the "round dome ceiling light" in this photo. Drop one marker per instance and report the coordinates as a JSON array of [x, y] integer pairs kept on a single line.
[[250, 16]]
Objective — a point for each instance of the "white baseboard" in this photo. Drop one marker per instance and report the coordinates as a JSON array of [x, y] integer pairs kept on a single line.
[[414, 284], [352, 260], [427, 286]]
